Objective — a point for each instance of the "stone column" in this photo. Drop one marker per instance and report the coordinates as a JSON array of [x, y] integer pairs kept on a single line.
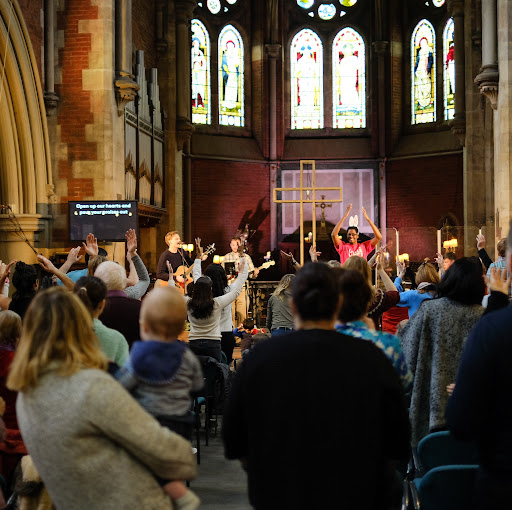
[[488, 78], [503, 123], [184, 126], [125, 86], [458, 123], [51, 99], [273, 51]]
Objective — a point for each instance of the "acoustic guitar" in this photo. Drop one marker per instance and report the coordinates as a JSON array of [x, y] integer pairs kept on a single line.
[[183, 274]]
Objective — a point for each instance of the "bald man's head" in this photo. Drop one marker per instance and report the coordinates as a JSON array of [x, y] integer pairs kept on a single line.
[[163, 314]]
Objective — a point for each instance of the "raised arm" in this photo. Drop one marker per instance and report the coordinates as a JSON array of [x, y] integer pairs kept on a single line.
[[386, 280], [5, 272], [313, 253], [336, 229], [482, 253], [291, 259], [140, 288], [48, 266], [376, 231], [236, 288]]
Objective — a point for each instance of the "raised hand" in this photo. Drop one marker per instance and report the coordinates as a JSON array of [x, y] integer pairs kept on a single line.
[[131, 242], [313, 253], [46, 264], [288, 256], [439, 260], [91, 246], [365, 214], [400, 269], [74, 255], [169, 268], [5, 269], [499, 280], [480, 242]]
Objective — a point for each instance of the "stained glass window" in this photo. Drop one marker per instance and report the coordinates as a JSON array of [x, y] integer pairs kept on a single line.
[[305, 4], [231, 77], [214, 6], [327, 11], [306, 58], [200, 65], [423, 73], [349, 80], [438, 3], [348, 3], [449, 70]]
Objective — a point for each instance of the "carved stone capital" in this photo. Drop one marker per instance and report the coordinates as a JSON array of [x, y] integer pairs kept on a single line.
[[185, 10], [458, 127], [184, 131], [380, 47], [273, 50], [488, 82], [455, 7], [51, 101], [126, 90]]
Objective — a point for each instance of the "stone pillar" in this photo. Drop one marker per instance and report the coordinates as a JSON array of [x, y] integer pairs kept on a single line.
[[502, 123], [184, 126], [125, 86], [273, 51], [458, 123], [478, 158], [51, 99], [488, 78]]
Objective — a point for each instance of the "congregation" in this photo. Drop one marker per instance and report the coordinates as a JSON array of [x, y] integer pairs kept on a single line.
[[325, 409]]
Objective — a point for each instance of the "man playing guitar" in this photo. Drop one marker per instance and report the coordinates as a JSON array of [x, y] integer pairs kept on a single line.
[[175, 256]]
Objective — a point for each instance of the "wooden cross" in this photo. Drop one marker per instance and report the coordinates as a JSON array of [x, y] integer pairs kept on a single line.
[[308, 200]]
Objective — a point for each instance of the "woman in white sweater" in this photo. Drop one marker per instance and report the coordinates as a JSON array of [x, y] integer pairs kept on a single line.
[[205, 311], [92, 443]]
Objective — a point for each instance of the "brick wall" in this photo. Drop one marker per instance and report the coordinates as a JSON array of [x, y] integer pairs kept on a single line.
[[420, 193], [32, 14], [227, 195], [74, 111], [143, 26]]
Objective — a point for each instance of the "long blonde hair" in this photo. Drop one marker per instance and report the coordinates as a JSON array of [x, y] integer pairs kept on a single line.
[[283, 285], [360, 265], [57, 328]]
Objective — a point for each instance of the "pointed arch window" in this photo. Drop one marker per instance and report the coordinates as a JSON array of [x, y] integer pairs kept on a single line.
[[423, 73], [231, 77], [200, 66], [349, 80], [448, 71], [306, 58]]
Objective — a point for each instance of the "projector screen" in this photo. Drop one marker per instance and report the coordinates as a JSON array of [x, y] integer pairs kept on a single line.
[[108, 220]]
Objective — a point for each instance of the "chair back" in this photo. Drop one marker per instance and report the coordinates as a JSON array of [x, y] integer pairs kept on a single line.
[[441, 449], [447, 487]]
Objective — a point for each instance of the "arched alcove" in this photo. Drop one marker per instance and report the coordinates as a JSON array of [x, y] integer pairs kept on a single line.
[[25, 167]]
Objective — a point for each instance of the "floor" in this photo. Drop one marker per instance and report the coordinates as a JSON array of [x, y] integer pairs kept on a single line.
[[221, 484]]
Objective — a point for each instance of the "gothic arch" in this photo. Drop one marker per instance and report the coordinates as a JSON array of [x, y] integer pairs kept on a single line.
[[25, 165]]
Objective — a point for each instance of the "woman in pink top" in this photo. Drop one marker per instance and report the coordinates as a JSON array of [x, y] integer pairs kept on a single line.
[[352, 248]]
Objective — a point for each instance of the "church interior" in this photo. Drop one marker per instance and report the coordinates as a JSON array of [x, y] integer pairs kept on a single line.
[[199, 110], [261, 119]]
